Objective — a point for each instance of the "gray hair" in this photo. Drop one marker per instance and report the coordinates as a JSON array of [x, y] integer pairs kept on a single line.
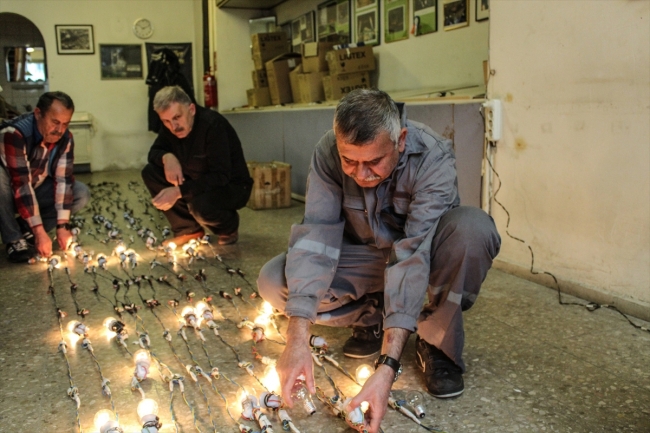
[[363, 114], [167, 96]]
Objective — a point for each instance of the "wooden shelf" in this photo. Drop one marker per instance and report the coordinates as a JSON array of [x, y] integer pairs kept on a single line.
[[248, 4]]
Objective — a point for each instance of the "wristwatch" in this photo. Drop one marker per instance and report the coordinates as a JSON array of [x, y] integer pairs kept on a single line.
[[66, 226], [391, 362]]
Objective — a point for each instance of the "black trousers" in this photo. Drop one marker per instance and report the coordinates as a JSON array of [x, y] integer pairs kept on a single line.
[[215, 209]]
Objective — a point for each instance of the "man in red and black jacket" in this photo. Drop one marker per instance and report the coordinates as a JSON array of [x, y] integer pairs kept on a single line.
[[36, 180], [197, 174]]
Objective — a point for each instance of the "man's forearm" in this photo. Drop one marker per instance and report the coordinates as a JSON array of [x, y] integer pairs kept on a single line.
[[394, 341], [298, 330]]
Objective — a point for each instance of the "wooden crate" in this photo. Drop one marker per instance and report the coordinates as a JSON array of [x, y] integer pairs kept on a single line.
[[271, 185]]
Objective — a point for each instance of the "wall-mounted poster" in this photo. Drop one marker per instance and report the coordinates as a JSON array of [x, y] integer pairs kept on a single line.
[[455, 13], [302, 30], [482, 10], [120, 61], [425, 17], [333, 20], [366, 22], [396, 20]]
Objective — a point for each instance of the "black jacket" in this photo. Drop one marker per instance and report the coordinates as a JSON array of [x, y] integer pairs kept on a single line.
[[211, 155]]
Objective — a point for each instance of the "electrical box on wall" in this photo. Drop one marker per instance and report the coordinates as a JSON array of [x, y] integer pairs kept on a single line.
[[493, 119]]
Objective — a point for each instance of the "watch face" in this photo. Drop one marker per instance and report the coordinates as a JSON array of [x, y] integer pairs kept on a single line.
[[143, 28]]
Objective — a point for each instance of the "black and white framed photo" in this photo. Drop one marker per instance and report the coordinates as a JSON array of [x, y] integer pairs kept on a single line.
[[482, 10], [366, 22], [455, 14], [74, 39], [121, 62]]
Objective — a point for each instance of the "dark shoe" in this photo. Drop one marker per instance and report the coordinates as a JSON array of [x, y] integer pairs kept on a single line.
[[365, 341], [183, 239], [228, 239], [19, 251], [26, 230], [444, 378]]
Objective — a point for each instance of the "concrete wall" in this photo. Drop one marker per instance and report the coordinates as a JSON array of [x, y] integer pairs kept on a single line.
[[444, 59], [575, 158], [121, 139]]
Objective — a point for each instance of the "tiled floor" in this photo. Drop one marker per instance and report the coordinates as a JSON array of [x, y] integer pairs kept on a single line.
[[533, 365]]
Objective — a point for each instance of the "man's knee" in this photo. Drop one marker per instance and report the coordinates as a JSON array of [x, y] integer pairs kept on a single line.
[[272, 283], [81, 196], [472, 230]]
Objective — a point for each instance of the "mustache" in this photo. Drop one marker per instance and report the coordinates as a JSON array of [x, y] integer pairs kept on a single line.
[[179, 129]]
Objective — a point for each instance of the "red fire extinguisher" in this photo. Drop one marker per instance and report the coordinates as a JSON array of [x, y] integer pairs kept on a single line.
[[210, 90]]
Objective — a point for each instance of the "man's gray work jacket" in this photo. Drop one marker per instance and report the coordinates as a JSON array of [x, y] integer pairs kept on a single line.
[[398, 216]]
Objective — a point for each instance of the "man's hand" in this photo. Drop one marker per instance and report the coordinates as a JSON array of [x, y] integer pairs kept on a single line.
[[166, 198], [63, 237], [375, 391], [173, 169], [296, 359], [377, 388], [42, 241]]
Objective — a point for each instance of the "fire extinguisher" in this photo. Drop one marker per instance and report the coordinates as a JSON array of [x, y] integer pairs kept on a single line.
[[210, 90]]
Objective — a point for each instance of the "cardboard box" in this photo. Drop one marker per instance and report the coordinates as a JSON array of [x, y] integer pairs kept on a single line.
[[295, 84], [260, 79], [271, 185], [336, 86], [347, 60], [277, 72], [313, 56], [258, 97], [267, 46], [311, 87]]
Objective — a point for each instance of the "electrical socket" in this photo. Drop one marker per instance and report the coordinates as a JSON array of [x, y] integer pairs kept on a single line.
[[493, 119]]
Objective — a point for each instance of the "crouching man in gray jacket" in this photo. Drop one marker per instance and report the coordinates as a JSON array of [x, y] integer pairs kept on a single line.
[[382, 226]]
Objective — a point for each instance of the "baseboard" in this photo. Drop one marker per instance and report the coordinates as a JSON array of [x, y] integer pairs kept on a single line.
[[638, 309]]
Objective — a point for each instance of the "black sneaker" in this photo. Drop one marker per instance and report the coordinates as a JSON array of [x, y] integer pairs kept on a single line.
[[19, 251], [365, 341], [28, 235], [444, 378]]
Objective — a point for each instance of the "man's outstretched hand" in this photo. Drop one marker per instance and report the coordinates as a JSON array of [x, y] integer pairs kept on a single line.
[[166, 198], [375, 392], [296, 359]]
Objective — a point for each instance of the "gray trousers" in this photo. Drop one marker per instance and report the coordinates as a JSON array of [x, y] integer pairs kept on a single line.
[[9, 228], [465, 243]]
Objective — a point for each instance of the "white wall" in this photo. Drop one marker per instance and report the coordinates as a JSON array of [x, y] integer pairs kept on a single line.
[[119, 107], [444, 59], [575, 158]]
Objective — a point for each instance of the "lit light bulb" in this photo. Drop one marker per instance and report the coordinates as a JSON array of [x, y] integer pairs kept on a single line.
[[148, 415], [54, 262], [142, 362], [171, 246], [119, 248], [416, 400], [78, 328], [246, 404], [271, 380], [190, 316], [267, 309], [102, 261], [299, 393], [364, 371], [105, 422], [262, 321]]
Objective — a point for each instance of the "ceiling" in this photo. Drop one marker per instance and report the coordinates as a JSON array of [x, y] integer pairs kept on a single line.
[[249, 4]]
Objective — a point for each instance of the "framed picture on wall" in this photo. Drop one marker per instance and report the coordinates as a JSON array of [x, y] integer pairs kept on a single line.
[[366, 22], [482, 10], [396, 17], [302, 30], [333, 21], [425, 17], [455, 14], [74, 39], [119, 62]]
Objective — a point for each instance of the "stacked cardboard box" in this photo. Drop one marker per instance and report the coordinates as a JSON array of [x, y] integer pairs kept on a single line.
[[277, 72], [271, 185], [266, 46], [307, 84], [348, 70]]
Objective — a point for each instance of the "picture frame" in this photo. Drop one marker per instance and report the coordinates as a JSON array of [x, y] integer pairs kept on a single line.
[[74, 39], [121, 61], [455, 14], [303, 30], [333, 21], [425, 17], [396, 20], [366, 22], [482, 10]]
